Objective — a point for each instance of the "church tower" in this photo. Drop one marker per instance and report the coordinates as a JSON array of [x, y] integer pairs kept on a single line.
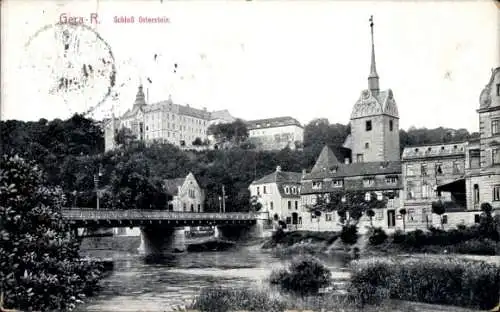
[[374, 120]]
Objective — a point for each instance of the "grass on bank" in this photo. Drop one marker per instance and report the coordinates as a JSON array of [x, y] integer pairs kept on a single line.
[[442, 280]]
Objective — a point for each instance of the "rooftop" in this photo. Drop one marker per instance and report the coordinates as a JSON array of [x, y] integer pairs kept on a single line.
[[272, 122], [434, 150]]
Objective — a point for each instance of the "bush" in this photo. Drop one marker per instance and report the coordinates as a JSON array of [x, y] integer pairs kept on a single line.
[[377, 236], [349, 234], [39, 261], [448, 281], [304, 276], [222, 299], [477, 247]]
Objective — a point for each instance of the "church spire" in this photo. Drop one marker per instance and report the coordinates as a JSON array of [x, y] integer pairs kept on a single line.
[[373, 77], [140, 98]]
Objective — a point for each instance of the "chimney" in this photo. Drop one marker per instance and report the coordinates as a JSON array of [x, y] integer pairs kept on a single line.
[[278, 169]]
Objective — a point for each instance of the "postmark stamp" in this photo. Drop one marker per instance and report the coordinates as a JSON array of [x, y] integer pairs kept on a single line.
[[73, 62]]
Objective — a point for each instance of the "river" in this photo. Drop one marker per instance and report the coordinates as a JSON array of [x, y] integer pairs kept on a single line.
[[136, 285]]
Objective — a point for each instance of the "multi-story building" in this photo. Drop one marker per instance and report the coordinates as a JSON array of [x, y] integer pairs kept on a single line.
[[425, 168], [482, 179], [329, 176], [185, 194], [163, 122], [275, 133], [279, 195]]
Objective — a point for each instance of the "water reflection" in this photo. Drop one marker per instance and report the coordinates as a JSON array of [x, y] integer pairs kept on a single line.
[[161, 284]]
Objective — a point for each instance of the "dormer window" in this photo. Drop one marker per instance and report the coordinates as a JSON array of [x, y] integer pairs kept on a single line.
[[367, 182], [287, 190], [368, 125], [317, 185], [337, 183], [391, 180]]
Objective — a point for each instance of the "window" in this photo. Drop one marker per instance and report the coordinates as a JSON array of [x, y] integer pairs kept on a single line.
[[296, 205], [328, 217], [476, 194], [391, 125], [496, 193], [424, 215], [495, 156], [316, 185], [380, 196], [379, 214], [498, 89], [367, 145], [183, 206], [289, 205], [368, 196], [368, 182], [410, 192], [258, 191], [426, 190], [474, 159], [424, 169], [445, 219], [410, 216], [368, 125], [359, 158], [199, 207], [410, 170], [192, 208], [456, 169], [477, 218], [439, 170], [337, 183], [271, 205], [264, 190]]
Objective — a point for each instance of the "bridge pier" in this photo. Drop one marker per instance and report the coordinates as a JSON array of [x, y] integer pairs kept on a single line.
[[238, 231], [158, 240]]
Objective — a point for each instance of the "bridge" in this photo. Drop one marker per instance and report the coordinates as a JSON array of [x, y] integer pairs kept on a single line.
[[88, 217], [163, 230]]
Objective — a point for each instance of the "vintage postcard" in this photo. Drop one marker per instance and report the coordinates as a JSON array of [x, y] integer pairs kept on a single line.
[[174, 155]]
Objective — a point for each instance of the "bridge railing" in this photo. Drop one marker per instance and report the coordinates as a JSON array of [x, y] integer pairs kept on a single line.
[[142, 214]]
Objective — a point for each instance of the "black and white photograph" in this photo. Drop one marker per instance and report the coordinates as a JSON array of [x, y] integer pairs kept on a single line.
[[250, 155]]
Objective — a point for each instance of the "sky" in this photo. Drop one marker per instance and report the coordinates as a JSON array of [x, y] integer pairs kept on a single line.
[[258, 59]]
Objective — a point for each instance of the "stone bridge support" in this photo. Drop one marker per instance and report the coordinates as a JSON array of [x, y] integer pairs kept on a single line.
[[242, 232], [158, 240]]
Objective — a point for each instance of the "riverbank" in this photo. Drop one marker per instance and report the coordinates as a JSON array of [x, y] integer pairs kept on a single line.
[[225, 300]]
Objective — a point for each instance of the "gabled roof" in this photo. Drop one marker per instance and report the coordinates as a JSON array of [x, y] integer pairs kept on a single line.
[[326, 160], [171, 186], [279, 176], [357, 169]]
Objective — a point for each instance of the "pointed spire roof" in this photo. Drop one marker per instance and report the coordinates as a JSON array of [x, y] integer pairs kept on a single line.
[[139, 97], [373, 77], [326, 160]]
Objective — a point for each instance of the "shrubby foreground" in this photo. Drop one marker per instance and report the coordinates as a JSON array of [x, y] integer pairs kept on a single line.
[[39, 261]]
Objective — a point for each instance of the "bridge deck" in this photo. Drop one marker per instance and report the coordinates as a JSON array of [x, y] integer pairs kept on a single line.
[[114, 217]]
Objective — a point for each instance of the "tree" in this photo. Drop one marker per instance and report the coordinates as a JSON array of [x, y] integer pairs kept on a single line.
[[402, 211], [439, 209], [370, 213], [350, 205], [487, 226], [40, 267], [124, 136], [197, 141], [255, 205], [235, 132]]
